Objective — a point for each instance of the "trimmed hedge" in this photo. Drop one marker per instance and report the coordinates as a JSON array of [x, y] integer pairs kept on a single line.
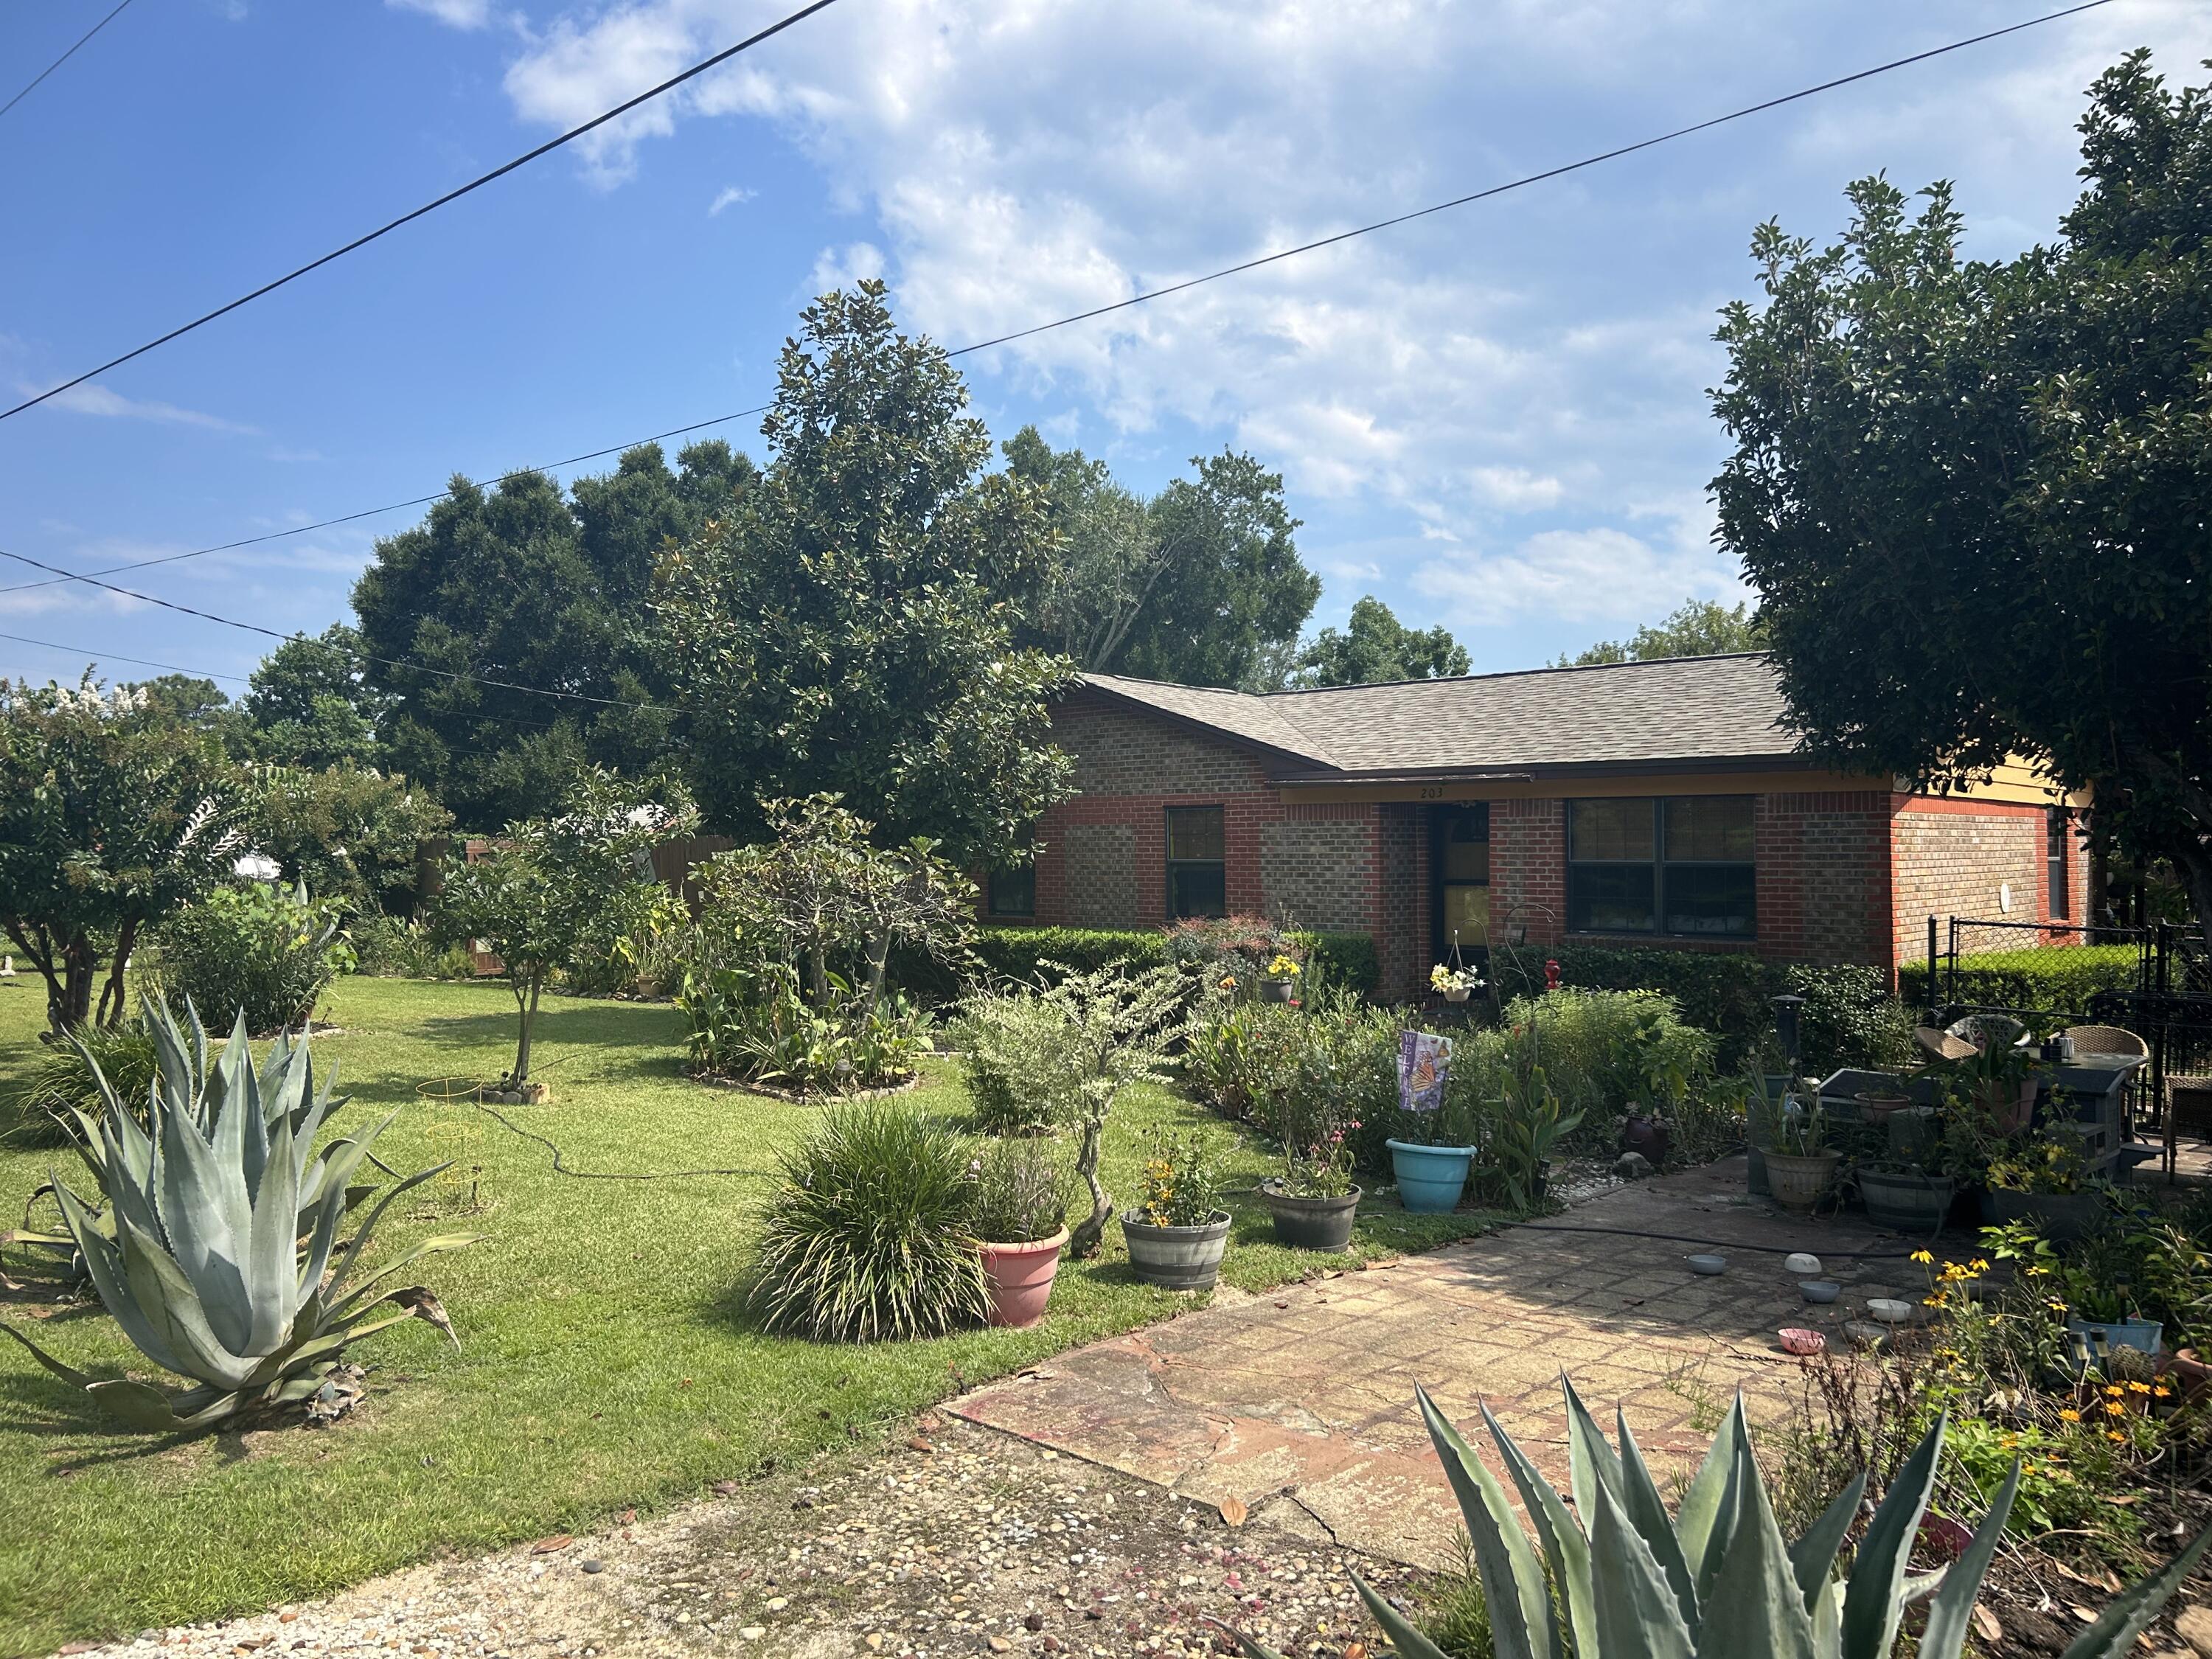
[[2057, 979], [1017, 952], [1849, 1019]]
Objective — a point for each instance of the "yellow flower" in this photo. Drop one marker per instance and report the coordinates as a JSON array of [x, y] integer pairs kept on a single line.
[[1922, 1255], [2068, 1414], [2114, 1389], [2114, 1408], [2138, 1387], [1980, 1266], [2116, 1437], [2161, 1391], [2037, 1270], [1931, 1301]]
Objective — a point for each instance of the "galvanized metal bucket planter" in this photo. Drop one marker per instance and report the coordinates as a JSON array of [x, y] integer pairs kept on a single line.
[[1311, 1224], [1181, 1258]]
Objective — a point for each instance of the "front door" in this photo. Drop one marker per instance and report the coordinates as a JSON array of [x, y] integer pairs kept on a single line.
[[1459, 856]]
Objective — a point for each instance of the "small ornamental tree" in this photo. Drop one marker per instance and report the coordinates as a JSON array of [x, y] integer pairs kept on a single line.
[[112, 816], [821, 892], [548, 887]]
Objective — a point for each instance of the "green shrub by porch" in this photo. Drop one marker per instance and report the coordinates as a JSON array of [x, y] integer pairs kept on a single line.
[[1017, 951], [2058, 979]]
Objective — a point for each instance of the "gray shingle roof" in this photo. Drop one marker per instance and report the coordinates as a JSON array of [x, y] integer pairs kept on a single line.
[[1682, 708]]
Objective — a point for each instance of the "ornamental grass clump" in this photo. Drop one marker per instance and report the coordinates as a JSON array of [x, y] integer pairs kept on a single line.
[[1021, 1192], [873, 1234]]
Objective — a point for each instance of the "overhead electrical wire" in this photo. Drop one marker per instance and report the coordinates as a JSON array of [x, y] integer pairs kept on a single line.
[[81, 41], [455, 195], [1135, 300], [58, 575]]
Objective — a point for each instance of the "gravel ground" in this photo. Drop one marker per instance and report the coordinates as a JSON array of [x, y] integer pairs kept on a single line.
[[960, 1541]]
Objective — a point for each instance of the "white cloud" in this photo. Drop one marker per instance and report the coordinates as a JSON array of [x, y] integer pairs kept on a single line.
[[90, 399], [1595, 575], [841, 267], [455, 13], [731, 195]]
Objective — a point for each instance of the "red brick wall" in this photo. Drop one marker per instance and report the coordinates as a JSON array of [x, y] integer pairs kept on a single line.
[[1528, 867], [1957, 857]]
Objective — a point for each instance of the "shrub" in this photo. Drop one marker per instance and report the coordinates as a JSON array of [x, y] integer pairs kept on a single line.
[[1181, 1185], [1214, 946], [1602, 1051], [349, 833], [2059, 979], [1021, 1192], [750, 1025], [1850, 1018], [872, 1233], [61, 1081], [1023, 1070], [397, 948], [1038, 955], [1287, 1068], [261, 949]]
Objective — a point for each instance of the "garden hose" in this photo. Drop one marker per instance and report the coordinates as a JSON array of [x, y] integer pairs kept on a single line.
[[436, 1088], [1721, 1243]]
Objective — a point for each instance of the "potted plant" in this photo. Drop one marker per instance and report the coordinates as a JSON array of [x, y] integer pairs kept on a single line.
[[2096, 1281], [1177, 1231], [1021, 1219], [1432, 1150], [1279, 981], [2000, 1080], [1800, 1163], [2045, 1179], [1312, 1200], [1453, 984], [1905, 1197]]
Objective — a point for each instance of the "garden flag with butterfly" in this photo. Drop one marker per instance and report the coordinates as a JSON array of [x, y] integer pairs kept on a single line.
[[1424, 1065]]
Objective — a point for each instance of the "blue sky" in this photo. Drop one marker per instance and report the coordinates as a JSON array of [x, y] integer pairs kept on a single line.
[[1495, 419]]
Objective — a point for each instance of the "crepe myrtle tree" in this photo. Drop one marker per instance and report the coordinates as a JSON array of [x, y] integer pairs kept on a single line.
[[822, 892], [549, 889], [112, 816]]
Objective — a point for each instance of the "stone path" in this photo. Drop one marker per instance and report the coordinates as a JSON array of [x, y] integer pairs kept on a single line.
[[1300, 1404]]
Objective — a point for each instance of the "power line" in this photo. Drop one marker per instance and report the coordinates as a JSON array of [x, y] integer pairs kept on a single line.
[[1146, 297], [64, 58], [386, 662], [500, 171]]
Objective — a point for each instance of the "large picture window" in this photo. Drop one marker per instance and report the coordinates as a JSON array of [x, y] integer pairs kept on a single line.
[[1198, 881], [1681, 865]]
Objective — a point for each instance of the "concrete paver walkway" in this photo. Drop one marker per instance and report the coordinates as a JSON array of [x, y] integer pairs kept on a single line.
[[1300, 1404]]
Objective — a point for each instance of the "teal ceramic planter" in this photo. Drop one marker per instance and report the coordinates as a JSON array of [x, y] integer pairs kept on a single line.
[[1430, 1178]]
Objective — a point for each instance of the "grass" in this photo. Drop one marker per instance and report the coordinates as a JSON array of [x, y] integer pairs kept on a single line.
[[608, 1355]]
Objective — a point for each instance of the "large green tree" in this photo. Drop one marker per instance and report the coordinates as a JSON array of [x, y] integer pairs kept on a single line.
[[1202, 584], [1697, 627], [503, 596], [843, 632], [310, 704], [1974, 495], [113, 814], [1373, 645]]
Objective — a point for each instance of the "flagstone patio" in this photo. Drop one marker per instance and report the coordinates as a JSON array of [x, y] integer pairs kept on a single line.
[[1299, 1405]]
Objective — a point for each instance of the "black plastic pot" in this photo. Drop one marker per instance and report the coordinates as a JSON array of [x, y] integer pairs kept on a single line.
[[1311, 1224]]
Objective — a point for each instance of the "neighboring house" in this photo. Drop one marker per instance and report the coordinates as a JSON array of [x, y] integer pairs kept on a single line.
[[1631, 804]]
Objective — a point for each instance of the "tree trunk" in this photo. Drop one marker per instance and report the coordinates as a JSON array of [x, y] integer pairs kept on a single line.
[[80, 967], [38, 949], [817, 976], [529, 1007], [1085, 1240], [879, 958], [111, 994]]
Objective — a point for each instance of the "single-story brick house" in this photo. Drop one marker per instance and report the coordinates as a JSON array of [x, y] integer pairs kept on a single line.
[[1633, 803]]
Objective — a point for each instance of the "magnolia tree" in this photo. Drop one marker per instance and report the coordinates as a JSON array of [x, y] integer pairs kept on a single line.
[[112, 816], [822, 892], [550, 888]]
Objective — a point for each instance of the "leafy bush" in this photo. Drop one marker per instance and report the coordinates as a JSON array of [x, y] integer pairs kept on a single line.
[[1021, 1192], [1333, 1060], [873, 1234], [61, 1081], [397, 948], [1181, 1185], [349, 832], [2059, 979], [1024, 1070], [1240, 946], [752, 1025], [265, 949], [1850, 1018], [1601, 1051], [1036, 955]]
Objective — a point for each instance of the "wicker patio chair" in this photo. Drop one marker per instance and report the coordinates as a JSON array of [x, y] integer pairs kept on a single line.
[[2108, 1040]]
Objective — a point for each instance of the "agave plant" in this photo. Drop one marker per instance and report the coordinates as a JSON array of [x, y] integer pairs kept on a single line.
[[215, 1248], [1616, 1577]]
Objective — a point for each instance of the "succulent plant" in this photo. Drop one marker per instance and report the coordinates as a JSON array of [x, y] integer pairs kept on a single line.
[[1616, 1577], [216, 1246]]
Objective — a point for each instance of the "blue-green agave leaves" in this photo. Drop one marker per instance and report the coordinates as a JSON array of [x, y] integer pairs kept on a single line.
[[216, 1248], [1623, 1580]]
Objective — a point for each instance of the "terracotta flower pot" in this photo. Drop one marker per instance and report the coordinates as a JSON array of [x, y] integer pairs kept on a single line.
[[1020, 1278]]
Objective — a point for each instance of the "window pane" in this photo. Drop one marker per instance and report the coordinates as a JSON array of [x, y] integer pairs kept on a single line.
[[1467, 860], [1609, 829], [1711, 898], [1611, 898], [1194, 832], [1013, 892], [1710, 827], [1197, 890]]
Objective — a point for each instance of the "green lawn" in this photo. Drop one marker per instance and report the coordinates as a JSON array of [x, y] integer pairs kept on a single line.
[[608, 1357]]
